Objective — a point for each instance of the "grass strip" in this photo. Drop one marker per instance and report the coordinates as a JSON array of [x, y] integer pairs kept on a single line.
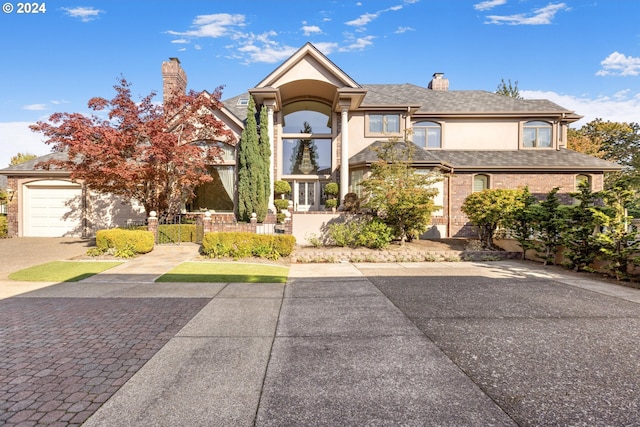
[[62, 271], [223, 272]]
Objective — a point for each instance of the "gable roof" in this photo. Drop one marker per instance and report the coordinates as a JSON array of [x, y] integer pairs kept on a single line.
[[495, 160]]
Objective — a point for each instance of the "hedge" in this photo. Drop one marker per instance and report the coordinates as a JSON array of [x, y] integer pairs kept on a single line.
[[118, 239], [3, 226], [242, 245]]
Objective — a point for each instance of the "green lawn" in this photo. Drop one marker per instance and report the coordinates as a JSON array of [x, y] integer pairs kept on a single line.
[[225, 272], [62, 271]]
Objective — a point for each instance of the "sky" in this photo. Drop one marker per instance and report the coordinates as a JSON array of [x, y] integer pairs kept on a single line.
[[581, 54]]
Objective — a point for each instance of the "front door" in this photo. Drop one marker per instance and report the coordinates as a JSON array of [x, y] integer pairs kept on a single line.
[[306, 195]]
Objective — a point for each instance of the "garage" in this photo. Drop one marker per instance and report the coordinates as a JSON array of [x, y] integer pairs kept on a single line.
[[52, 208]]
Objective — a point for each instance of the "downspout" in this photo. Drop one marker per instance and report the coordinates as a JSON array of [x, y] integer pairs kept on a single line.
[[449, 186]]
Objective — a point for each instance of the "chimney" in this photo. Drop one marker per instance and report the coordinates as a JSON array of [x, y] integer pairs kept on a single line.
[[438, 82], [174, 79]]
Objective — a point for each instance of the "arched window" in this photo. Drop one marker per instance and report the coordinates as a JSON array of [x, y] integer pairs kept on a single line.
[[480, 182], [536, 134], [427, 135], [306, 142]]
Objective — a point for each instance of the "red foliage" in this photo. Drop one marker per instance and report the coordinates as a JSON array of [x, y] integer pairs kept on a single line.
[[138, 151]]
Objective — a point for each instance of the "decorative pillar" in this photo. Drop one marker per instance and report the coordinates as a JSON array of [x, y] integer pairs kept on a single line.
[[152, 224], [272, 142], [344, 154]]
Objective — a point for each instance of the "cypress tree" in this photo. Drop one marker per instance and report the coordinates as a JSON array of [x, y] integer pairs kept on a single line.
[[248, 158], [264, 180]]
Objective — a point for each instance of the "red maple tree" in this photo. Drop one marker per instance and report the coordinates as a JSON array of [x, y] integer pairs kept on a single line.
[[141, 150]]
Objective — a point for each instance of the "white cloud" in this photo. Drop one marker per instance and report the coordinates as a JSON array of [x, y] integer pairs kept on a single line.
[[542, 16], [358, 44], [17, 138], [180, 41], [268, 53], [309, 30], [35, 107], [215, 25], [401, 30], [365, 18], [617, 108], [618, 64], [326, 47], [489, 4], [85, 14]]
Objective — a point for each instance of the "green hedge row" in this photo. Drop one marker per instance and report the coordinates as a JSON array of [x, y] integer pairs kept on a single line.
[[242, 245], [3, 226], [124, 242]]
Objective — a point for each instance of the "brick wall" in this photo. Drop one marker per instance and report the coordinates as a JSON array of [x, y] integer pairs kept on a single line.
[[539, 184]]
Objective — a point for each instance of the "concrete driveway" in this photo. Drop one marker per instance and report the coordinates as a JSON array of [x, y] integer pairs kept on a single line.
[[459, 344]]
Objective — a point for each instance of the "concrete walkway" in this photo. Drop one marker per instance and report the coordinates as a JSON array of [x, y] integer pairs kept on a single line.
[[501, 343]]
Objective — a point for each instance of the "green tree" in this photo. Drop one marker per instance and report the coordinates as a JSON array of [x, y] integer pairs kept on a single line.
[[262, 167], [21, 158], [521, 222], [549, 226], [579, 236], [398, 193], [508, 89], [490, 209], [618, 240], [248, 158]]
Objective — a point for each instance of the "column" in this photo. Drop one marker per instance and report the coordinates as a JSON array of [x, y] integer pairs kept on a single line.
[[271, 157], [344, 154]]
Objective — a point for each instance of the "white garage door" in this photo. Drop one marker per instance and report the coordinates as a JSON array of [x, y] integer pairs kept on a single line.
[[52, 209]]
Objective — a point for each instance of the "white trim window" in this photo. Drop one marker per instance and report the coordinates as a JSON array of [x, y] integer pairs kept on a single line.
[[427, 134], [383, 124], [480, 183], [537, 134]]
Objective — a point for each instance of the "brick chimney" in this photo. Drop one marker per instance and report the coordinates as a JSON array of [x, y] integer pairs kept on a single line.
[[438, 82], [174, 79]]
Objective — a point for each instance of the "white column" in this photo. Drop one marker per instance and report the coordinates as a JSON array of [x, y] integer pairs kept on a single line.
[[344, 154], [271, 157]]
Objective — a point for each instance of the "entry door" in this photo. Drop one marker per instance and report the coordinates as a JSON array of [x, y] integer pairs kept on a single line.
[[306, 195]]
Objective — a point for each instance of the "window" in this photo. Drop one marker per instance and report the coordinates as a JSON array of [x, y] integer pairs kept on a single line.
[[355, 179], [306, 143], [384, 123], [480, 182], [427, 135], [536, 134]]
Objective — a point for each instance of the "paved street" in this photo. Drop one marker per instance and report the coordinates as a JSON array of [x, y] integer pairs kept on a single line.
[[499, 343]]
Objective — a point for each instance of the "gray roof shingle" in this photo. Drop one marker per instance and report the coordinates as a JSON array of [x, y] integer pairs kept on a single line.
[[496, 160]]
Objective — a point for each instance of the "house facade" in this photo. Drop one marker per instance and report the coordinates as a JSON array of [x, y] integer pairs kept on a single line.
[[324, 127]]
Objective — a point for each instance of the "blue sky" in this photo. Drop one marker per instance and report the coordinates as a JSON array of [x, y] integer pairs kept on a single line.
[[581, 54]]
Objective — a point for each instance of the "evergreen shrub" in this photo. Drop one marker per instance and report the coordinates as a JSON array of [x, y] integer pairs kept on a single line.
[[243, 245], [125, 241]]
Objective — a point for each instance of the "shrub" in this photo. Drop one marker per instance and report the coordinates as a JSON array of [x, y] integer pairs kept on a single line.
[[332, 189], [281, 187], [281, 204], [331, 203], [125, 241], [373, 234], [242, 245], [3, 226]]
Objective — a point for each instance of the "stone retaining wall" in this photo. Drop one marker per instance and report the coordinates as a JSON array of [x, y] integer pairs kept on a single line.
[[356, 255]]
